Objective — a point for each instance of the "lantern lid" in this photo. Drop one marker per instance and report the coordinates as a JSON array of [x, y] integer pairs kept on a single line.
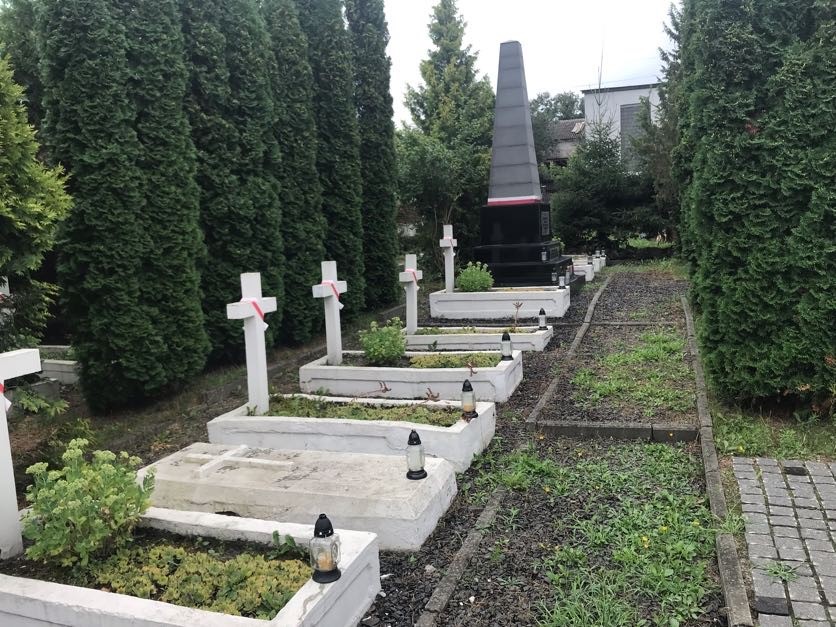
[[542, 311], [323, 527], [414, 438], [466, 386], [506, 336]]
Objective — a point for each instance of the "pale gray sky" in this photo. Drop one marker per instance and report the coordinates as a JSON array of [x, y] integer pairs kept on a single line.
[[562, 41]]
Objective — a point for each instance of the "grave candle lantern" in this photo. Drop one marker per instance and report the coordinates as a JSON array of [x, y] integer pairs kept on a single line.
[[589, 260], [568, 273], [542, 315], [554, 277], [544, 255], [468, 401], [506, 347], [325, 552], [415, 457], [562, 283]]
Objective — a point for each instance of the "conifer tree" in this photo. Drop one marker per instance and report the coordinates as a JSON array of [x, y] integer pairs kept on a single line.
[[89, 127], [455, 106], [170, 285], [369, 37], [18, 44], [32, 204], [338, 158], [231, 112], [303, 225]]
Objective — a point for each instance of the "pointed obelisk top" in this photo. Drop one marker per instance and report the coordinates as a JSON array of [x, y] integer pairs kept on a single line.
[[514, 178]]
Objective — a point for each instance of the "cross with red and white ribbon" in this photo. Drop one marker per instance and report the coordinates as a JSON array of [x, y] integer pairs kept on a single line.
[[410, 274], [334, 290], [258, 311]]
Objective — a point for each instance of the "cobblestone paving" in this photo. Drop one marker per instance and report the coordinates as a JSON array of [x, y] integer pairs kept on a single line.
[[790, 513]]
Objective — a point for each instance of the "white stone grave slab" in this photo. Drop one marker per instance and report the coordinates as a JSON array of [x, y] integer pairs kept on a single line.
[[32, 603], [498, 303], [458, 443], [585, 269], [490, 384], [597, 264], [362, 492], [12, 364], [479, 339], [62, 370]]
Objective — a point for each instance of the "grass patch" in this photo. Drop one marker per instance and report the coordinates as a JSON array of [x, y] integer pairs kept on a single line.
[[311, 408], [462, 330], [441, 360], [651, 375], [739, 433], [640, 242], [674, 268]]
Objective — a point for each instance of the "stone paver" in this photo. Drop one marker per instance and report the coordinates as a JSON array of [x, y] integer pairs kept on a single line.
[[789, 508]]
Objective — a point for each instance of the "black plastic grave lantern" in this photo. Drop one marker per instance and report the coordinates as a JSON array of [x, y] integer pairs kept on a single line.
[[554, 276], [589, 260], [541, 317], [325, 552], [468, 401], [506, 348], [415, 457]]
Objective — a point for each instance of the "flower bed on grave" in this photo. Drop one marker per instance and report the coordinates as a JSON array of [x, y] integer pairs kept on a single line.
[[478, 338], [435, 375], [499, 303], [360, 425], [86, 561]]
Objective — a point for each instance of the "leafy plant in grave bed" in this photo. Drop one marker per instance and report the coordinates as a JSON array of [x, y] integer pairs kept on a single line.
[[475, 277], [467, 330], [311, 408], [443, 360], [383, 345], [81, 527]]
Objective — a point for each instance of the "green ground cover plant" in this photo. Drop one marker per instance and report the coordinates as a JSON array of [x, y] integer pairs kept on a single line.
[[672, 267], [475, 277], [383, 345], [312, 408], [461, 360], [640, 242], [745, 434], [463, 330], [651, 375]]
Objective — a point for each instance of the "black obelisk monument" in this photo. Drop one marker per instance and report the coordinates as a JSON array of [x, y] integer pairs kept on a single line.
[[516, 230]]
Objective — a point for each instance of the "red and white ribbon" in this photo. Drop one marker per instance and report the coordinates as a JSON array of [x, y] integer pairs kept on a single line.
[[335, 290], [414, 277], [6, 402], [258, 311]]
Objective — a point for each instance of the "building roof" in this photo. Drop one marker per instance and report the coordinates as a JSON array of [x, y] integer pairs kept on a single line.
[[567, 130], [603, 90]]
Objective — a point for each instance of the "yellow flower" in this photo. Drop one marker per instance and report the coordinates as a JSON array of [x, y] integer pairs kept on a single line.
[[645, 541], [663, 529], [696, 523], [547, 489], [740, 448]]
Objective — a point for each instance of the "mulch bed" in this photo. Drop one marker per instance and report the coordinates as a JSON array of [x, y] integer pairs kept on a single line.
[[641, 297]]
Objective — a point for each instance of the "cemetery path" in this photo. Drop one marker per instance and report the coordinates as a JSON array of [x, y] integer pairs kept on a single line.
[[508, 579]]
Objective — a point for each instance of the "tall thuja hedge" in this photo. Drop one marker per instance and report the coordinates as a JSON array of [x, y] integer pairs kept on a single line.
[[369, 36], [338, 158], [170, 283], [89, 128], [759, 168], [303, 225], [32, 204], [18, 44], [230, 108]]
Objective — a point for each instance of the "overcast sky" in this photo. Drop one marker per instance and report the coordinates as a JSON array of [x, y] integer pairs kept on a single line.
[[562, 41]]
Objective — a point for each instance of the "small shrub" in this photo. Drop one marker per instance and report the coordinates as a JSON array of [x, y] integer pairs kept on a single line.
[[86, 508], [385, 345], [475, 277]]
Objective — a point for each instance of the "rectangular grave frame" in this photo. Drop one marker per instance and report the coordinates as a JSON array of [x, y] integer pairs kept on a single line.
[[536, 340], [498, 303], [458, 443], [35, 603]]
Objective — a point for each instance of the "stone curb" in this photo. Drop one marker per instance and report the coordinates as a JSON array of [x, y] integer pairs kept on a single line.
[[728, 561], [610, 323], [620, 431]]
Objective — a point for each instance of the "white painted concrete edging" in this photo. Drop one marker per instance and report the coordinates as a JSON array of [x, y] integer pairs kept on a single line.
[[585, 270], [30, 603], [458, 444], [536, 340], [498, 304], [63, 370], [490, 384]]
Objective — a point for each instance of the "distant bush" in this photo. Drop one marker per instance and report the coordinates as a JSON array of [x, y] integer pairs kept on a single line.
[[86, 508], [385, 345], [475, 277]]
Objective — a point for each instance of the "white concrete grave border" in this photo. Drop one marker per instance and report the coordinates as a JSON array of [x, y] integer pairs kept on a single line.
[[587, 270], [30, 603], [480, 339], [490, 384], [498, 303], [458, 443]]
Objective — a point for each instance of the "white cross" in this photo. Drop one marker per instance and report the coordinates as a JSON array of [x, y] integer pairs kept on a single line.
[[409, 280], [448, 244], [329, 291], [251, 309], [14, 364]]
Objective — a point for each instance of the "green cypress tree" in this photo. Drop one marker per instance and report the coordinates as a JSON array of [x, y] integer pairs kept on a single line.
[[370, 35], [18, 43], [170, 285], [338, 158], [231, 113], [32, 203], [89, 127], [303, 225]]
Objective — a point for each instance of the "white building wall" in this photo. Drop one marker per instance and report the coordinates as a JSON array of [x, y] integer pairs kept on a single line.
[[605, 106]]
